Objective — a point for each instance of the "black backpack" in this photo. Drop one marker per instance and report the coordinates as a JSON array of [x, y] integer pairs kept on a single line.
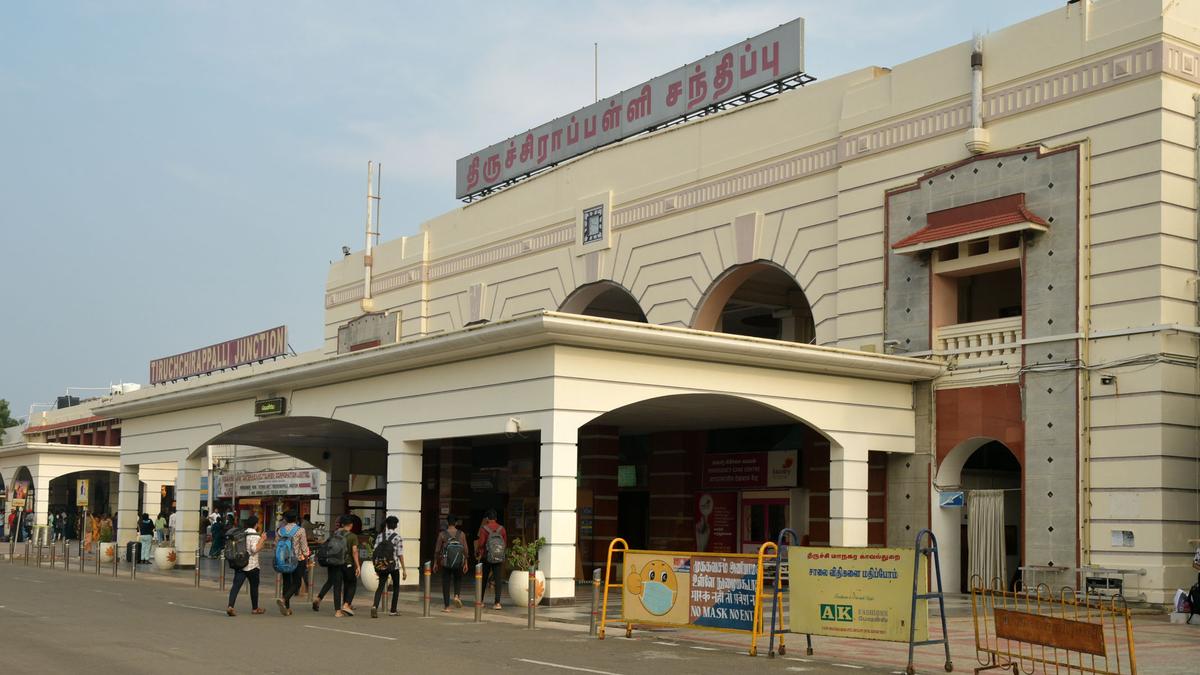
[[453, 553], [333, 552], [237, 554], [384, 555], [1194, 600]]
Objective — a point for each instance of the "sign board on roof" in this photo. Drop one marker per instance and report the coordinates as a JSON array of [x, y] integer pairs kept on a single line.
[[721, 76], [229, 354]]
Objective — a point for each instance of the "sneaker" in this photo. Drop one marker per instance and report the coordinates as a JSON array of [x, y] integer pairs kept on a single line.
[[496, 606], [347, 611], [458, 602], [339, 614], [316, 605], [282, 607], [374, 613], [230, 612], [393, 613]]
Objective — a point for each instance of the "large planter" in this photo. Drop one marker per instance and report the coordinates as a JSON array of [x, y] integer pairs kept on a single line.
[[369, 577], [165, 558], [106, 550], [518, 587]]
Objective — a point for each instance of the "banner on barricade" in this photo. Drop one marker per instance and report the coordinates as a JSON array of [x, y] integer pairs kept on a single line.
[[864, 593], [682, 589]]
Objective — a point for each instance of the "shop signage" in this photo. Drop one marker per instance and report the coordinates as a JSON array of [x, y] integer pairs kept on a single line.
[[705, 591], [952, 500], [740, 470], [855, 593], [270, 406], [20, 493], [229, 354], [723, 75], [716, 522], [81, 493], [291, 483]]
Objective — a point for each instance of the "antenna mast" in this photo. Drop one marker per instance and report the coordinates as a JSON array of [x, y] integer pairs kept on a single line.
[[374, 179]]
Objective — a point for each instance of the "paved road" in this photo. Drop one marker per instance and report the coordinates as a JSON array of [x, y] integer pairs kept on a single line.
[[56, 622]]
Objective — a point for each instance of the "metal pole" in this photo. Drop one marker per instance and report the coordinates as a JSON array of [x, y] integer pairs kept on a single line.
[[39, 552], [116, 559], [532, 598], [66, 556], [222, 582], [133, 564], [27, 554], [428, 573], [595, 601], [97, 558], [198, 565], [310, 582], [478, 592], [53, 556]]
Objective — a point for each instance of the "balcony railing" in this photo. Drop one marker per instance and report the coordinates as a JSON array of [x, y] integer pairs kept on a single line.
[[983, 344]]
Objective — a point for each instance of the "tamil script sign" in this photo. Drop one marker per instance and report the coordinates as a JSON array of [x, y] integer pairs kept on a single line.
[[705, 591], [749, 469], [292, 483], [855, 592], [723, 75], [257, 347]]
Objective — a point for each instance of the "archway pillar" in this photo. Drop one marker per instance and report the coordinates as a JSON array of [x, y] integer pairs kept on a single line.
[[404, 467], [41, 497], [337, 483], [187, 506], [557, 502], [848, 494], [128, 492]]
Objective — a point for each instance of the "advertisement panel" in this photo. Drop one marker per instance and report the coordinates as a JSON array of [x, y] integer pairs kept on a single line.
[[81, 493], [861, 593], [267, 344], [19, 494], [773, 56], [745, 470], [292, 483], [716, 522], [704, 591]]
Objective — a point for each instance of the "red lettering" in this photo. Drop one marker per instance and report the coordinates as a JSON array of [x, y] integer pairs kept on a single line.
[[723, 80], [612, 116], [510, 155], [751, 67], [674, 92], [572, 131], [473, 173], [542, 148], [527, 148], [771, 61], [640, 106], [697, 87], [589, 127], [491, 169]]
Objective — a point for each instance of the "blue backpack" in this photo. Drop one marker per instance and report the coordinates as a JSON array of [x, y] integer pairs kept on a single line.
[[286, 560]]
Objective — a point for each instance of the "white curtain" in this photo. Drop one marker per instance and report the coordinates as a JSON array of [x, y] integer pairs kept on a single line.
[[985, 536]]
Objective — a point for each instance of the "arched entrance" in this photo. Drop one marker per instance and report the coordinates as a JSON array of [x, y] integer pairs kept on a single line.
[[758, 299], [604, 299], [63, 497], [980, 466], [21, 499]]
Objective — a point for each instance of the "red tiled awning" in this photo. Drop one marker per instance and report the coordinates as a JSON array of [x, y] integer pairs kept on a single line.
[[972, 221]]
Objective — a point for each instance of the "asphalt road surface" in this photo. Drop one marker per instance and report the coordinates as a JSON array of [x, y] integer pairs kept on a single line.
[[56, 622]]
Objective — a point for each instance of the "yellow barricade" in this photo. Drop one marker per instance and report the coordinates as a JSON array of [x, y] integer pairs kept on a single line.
[[685, 589], [1035, 631]]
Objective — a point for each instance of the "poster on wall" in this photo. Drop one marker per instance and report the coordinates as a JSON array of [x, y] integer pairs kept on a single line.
[[716, 522], [20, 493], [292, 483], [861, 593], [705, 591], [81, 493], [748, 470]]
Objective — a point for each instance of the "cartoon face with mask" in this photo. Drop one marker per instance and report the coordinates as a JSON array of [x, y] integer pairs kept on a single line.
[[655, 585]]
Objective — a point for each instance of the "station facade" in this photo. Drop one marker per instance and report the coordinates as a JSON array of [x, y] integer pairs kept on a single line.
[[832, 309]]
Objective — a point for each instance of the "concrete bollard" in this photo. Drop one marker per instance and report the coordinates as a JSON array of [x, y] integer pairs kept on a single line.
[[428, 580], [278, 585], [197, 575], [97, 559], [311, 592], [53, 556], [38, 545], [478, 592], [532, 598], [222, 578], [116, 560], [595, 602], [66, 556], [133, 569], [27, 554]]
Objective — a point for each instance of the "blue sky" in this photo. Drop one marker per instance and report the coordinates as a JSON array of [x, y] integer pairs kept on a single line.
[[179, 173]]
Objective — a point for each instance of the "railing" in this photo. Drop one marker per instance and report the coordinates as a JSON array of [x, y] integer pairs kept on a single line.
[[995, 338]]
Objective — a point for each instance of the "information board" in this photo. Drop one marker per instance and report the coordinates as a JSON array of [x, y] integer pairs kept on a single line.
[[705, 591]]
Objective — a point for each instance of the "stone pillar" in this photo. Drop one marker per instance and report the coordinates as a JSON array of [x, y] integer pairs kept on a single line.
[[41, 493], [848, 495], [454, 479], [187, 505], [673, 476], [404, 498], [556, 505], [599, 455], [337, 483], [128, 491]]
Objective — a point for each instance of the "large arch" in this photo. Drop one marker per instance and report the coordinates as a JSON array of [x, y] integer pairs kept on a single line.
[[606, 299], [977, 462], [758, 299]]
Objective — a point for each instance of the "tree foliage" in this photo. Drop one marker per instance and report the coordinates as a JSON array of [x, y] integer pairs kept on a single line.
[[6, 418]]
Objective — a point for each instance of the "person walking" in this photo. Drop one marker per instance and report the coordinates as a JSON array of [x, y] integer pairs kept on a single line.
[[172, 525], [145, 535], [450, 557], [160, 528], [217, 532], [291, 532], [491, 547], [252, 541], [388, 559], [339, 555]]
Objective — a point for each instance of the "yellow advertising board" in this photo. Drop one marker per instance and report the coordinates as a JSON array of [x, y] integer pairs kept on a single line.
[[863, 593], [701, 590], [81, 493]]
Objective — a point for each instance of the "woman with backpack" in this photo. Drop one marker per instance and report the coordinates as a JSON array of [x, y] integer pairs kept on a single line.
[[291, 550], [339, 556], [450, 556], [388, 559], [242, 554]]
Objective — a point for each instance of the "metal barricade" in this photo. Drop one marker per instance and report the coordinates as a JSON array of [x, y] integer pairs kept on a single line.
[[1036, 631]]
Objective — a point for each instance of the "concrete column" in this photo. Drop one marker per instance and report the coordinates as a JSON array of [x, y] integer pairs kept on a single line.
[[129, 488], [848, 495], [337, 483], [187, 505], [599, 455], [673, 476], [404, 498], [556, 504], [454, 479], [41, 494]]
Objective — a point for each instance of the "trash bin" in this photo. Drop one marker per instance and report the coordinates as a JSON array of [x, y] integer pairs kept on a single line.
[[133, 552]]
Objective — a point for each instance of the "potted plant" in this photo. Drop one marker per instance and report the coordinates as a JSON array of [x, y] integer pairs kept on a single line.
[[520, 558], [165, 555], [107, 546]]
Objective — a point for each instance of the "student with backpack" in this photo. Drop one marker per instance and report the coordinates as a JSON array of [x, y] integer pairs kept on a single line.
[[491, 547], [339, 556], [450, 556], [292, 559], [388, 560], [241, 552]]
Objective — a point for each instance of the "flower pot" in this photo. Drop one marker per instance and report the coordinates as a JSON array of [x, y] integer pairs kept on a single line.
[[165, 557], [106, 550], [518, 587], [369, 577]]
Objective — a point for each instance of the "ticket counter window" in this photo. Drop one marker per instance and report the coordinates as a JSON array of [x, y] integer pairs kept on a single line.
[[762, 520]]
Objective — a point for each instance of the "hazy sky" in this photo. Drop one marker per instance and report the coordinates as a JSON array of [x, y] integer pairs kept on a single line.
[[174, 174]]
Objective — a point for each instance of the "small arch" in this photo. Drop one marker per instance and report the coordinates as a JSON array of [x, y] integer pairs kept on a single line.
[[757, 299], [309, 439], [606, 299]]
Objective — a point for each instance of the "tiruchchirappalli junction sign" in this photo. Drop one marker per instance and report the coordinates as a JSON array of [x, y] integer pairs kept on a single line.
[[267, 344], [774, 56]]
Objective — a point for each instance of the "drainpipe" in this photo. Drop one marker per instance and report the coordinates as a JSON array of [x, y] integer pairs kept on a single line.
[[978, 138]]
